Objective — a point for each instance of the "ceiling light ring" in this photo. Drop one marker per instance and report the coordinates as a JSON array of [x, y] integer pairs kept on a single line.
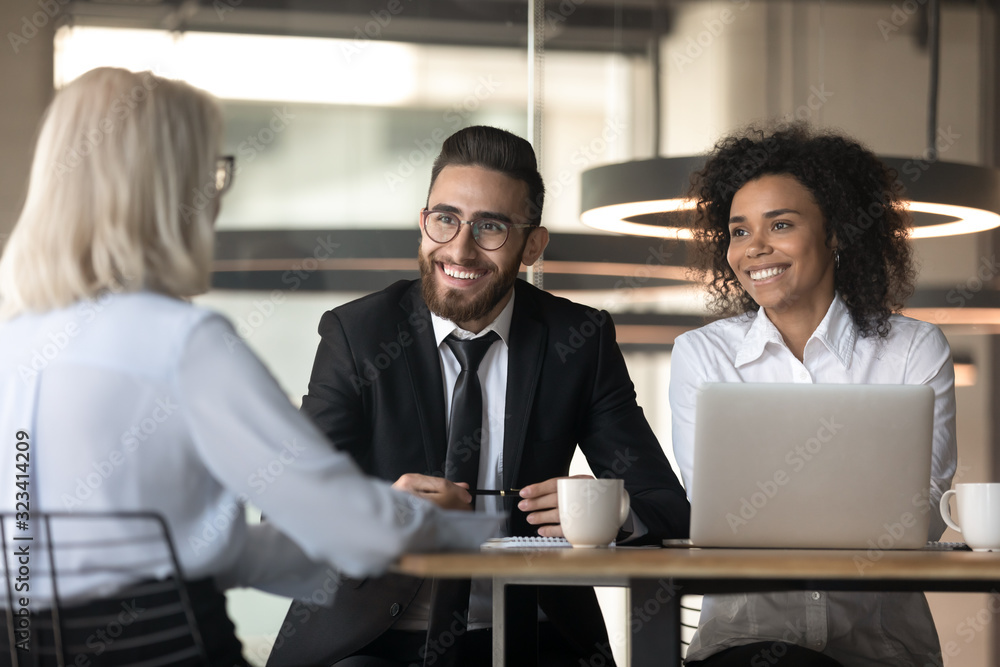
[[611, 194]]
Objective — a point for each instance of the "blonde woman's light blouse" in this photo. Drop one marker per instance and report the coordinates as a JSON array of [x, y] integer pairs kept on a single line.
[[142, 402]]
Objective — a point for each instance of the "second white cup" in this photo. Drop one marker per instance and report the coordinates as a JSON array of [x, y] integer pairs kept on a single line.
[[591, 510], [978, 514]]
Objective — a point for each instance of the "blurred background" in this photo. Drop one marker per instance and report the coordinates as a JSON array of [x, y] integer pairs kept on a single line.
[[335, 111]]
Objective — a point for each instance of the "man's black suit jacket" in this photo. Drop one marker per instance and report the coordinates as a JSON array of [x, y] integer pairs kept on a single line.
[[376, 391]]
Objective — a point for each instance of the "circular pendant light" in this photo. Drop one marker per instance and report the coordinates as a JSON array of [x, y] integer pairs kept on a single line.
[[648, 197]]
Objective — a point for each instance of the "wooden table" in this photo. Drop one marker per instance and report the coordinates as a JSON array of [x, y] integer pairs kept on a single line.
[[658, 577]]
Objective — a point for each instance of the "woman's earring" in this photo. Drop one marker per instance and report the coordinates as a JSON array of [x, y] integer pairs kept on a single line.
[[836, 258]]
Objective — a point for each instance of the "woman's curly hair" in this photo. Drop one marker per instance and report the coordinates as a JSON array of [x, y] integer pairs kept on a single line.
[[859, 198]]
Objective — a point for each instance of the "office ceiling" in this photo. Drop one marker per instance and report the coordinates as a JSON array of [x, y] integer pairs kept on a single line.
[[597, 25], [591, 25]]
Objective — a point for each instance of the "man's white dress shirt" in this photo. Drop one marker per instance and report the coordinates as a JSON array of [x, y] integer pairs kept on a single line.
[[857, 629], [493, 380]]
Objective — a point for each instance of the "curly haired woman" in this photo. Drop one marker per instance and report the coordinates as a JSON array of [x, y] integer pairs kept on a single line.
[[804, 239]]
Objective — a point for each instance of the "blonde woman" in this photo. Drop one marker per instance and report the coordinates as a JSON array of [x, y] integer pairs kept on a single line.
[[126, 397]]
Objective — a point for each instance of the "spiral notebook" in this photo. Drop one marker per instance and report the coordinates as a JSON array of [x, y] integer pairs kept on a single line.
[[525, 543]]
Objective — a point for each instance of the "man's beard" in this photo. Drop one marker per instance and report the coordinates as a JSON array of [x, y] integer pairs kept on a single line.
[[449, 303]]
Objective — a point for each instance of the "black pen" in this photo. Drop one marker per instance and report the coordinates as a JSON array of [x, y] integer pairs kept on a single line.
[[496, 492]]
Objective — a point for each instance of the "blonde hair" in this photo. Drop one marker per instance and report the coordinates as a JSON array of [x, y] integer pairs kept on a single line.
[[121, 195]]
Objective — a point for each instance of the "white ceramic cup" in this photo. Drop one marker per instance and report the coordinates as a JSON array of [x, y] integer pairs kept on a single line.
[[978, 514], [591, 510]]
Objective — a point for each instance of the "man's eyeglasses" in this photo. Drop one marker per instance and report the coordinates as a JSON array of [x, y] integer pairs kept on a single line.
[[224, 167], [489, 233]]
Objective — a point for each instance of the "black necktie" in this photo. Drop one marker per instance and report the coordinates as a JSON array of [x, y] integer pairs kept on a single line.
[[465, 438], [465, 433]]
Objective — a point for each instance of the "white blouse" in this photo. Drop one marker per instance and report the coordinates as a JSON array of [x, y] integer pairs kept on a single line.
[[858, 629], [142, 402]]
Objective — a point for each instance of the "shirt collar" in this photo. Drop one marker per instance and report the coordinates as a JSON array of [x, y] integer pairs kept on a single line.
[[760, 333], [444, 328], [836, 331]]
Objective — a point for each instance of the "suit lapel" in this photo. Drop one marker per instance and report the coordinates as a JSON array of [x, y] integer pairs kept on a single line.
[[424, 366], [526, 349]]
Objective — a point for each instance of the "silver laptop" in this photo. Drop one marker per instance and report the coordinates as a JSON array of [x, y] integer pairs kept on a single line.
[[812, 466]]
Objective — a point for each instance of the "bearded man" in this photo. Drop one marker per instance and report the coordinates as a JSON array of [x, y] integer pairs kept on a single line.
[[550, 378]]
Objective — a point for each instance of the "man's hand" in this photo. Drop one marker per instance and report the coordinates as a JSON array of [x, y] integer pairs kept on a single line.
[[446, 495], [542, 503]]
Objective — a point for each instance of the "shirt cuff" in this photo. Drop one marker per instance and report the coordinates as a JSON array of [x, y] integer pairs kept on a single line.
[[632, 529]]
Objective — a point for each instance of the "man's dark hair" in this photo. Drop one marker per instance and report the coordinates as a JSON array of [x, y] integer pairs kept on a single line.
[[499, 150], [858, 195]]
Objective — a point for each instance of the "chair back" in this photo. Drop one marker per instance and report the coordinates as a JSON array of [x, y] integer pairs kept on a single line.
[[95, 588]]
